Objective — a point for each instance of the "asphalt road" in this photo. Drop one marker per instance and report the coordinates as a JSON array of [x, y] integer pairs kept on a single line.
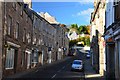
[[60, 70]]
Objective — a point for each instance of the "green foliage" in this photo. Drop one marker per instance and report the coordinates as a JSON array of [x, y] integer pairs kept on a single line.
[[85, 39], [67, 30], [82, 29], [75, 26], [72, 43]]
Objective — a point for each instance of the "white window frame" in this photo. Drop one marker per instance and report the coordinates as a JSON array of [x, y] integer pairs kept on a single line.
[[16, 30], [28, 36], [9, 25], [14, 5], [21, 12], [9, 64], [24, 34], [23, 58]]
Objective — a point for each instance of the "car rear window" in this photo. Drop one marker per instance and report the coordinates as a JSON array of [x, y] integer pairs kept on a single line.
[[76, 62]]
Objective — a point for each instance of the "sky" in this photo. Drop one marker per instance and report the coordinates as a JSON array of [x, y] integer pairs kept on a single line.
[[66, 12]]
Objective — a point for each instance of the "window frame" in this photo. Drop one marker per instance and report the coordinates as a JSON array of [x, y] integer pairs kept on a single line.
[[24, 35], [10, 20], [8, 64], [16, 30], [14, 5], [21, 12]]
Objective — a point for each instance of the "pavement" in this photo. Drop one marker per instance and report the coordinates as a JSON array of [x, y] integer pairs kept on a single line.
[[18, 75], [90, 73]]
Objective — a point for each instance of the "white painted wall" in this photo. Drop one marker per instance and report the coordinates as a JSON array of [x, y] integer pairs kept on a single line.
[[109, 13]]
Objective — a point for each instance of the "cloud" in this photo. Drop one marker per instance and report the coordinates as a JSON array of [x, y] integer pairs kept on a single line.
[[86, 1], [85, 12]]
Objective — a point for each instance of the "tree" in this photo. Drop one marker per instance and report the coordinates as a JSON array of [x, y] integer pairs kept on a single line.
[[84, 29], [72, 43], [88, 29], [87, 40], [80, 30], [75, 26]]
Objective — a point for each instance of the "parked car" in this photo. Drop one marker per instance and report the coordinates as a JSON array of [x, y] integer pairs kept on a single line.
[[77, 65], [88, 55]]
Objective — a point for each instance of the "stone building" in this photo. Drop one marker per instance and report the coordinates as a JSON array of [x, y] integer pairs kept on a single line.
[[16, 46], [48, 17], [61, 37], [43, 40], [65, 40], [59, 50], [62, 41], [27, 40], [97, 31], [112, 38]]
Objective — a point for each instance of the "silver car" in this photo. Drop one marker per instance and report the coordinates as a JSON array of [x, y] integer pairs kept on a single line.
[[77, 65]]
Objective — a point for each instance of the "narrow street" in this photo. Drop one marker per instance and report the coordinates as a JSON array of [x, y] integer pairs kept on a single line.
[[53, 39], [61, 69], [58, 70]]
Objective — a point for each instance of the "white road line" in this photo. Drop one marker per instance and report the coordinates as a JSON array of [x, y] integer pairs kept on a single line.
[[54, 76], [59, 70], [63, 67], [36, 70]]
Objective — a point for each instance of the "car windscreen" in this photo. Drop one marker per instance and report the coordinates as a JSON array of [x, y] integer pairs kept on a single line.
[[76, 62]]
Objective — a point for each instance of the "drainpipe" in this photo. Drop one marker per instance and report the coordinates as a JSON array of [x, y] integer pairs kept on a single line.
[[2, 8]]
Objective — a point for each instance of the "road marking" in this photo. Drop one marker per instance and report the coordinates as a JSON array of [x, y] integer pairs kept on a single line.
[[59, 70], [63, 67], [54, 76], [36, 70]]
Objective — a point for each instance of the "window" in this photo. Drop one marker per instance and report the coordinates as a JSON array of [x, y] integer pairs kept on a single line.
[[9, 24], [39, 41], [14, 5], [16, 29], [24, 34], [35, 38], [117, 8], [28, 36], [21, 13], [23, 58], [27, 18], [10, 58]]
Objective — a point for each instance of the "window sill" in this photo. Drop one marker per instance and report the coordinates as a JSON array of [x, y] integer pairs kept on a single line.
[[8, 68]]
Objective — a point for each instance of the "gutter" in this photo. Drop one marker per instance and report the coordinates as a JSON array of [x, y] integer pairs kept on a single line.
[[95, 11]]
